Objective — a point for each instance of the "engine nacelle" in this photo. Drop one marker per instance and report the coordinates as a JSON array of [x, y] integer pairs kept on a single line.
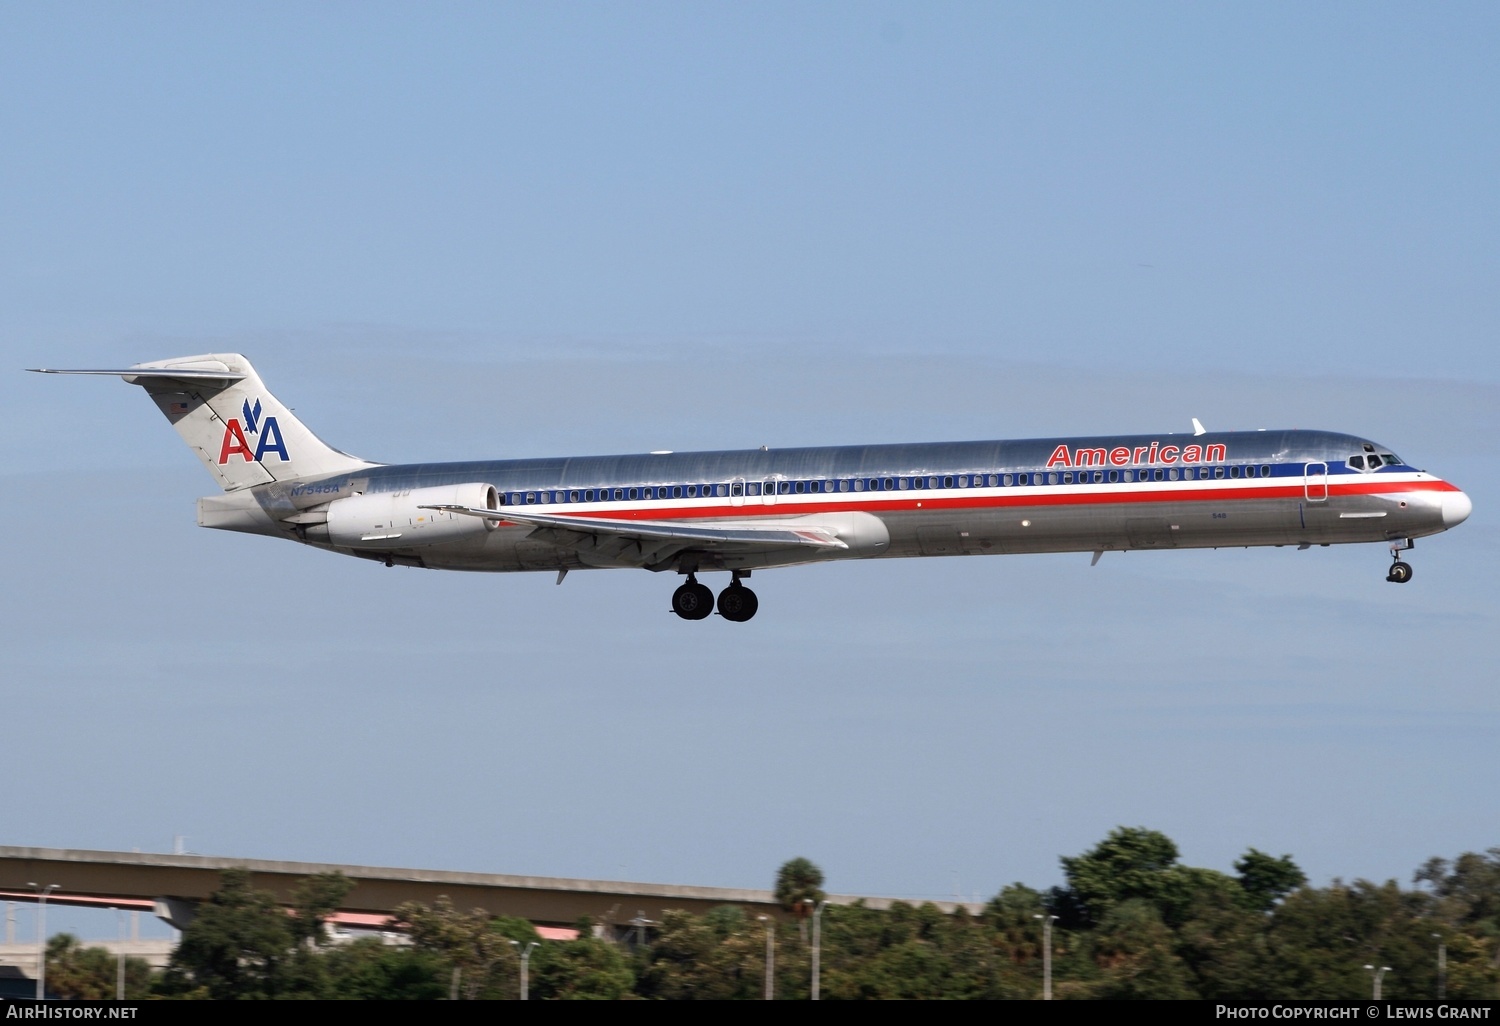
[[394, 520]]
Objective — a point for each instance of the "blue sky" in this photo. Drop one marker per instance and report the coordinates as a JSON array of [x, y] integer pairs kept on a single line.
[[474, 231]]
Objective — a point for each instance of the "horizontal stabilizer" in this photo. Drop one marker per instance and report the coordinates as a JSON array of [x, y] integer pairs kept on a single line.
[[135, 374]]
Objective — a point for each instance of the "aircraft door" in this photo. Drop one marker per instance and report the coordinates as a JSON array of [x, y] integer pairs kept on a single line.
[[771, 487], [1315, 482], [737, 492]]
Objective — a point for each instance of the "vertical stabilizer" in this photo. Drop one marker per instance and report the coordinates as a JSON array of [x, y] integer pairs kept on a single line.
[[240, 431]]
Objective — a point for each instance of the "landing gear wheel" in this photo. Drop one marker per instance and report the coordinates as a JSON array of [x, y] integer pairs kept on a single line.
[[692, 601], [737, 603], [1400, 572]]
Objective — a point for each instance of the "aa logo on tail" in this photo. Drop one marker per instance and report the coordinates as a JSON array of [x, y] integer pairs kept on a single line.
[[267, 432]]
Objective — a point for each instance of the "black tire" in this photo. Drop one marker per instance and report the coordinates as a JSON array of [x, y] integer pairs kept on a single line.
[[1400, 572], [692, 601], [737, 603]]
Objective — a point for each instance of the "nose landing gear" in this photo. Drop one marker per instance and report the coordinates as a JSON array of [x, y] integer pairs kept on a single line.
[[1400, 571]]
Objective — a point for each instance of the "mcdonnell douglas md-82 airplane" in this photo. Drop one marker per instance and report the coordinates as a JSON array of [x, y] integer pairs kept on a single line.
[[740, 511]]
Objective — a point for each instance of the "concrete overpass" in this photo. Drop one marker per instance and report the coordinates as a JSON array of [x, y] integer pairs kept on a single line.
[[174, 884]]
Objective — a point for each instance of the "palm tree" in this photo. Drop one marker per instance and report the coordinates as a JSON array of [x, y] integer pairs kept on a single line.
[[799, 885]]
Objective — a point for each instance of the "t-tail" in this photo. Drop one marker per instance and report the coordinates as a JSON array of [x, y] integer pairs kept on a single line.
[[240, 431]]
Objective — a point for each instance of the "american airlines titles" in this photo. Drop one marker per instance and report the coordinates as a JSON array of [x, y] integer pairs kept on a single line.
[[1123, 456]]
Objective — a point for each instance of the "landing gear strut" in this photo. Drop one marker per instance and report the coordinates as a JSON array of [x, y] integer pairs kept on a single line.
[[692, 601], [737, 603], [1400, 571]]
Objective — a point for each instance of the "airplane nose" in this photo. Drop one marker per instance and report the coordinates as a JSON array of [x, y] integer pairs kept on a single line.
[[1456, 508]]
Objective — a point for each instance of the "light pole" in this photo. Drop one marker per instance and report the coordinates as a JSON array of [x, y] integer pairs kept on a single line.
[[525, 961], [770, 956], [1375, 976], [1442, 967], [1047, 922], [817, 947], [640, 922], [41, 936], [120, 961]]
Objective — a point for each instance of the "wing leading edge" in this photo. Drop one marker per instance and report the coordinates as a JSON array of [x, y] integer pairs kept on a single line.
[[756, 535], [658, 545]]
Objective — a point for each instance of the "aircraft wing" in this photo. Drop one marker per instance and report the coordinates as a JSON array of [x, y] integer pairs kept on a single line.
[[603, 540]]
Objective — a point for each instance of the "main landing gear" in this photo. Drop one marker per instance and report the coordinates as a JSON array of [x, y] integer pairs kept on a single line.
[[737, 603], [1400, 571], [693, 601]]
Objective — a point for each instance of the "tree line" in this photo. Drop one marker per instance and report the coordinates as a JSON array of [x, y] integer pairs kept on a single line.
[[1130, 921]]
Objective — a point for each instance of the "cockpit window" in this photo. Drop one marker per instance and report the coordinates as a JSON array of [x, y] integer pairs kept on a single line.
[[1372, 461]]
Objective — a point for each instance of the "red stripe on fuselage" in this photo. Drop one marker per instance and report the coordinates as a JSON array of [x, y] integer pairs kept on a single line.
[[913, 500]]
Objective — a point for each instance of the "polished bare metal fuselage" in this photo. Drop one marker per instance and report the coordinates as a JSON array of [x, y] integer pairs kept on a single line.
[[1287, 488], [688, 513]]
